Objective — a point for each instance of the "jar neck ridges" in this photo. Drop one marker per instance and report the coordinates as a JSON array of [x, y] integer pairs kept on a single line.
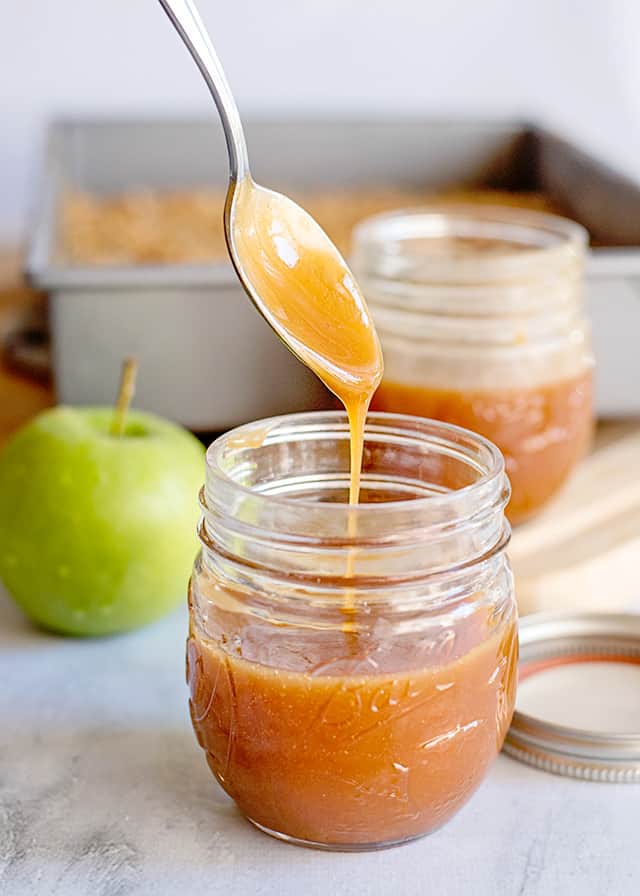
[[261, 519]]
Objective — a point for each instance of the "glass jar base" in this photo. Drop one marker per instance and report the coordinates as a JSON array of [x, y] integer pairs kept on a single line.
[[338, 847]]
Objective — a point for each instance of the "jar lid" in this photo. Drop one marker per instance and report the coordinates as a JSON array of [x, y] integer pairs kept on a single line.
[[578, 705]]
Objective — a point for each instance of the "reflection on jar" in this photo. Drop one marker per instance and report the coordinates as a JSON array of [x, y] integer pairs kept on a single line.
[[352, 670], [480, 314]]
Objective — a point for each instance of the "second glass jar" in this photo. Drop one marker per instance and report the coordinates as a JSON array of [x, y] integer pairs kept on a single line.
[[480, 314]]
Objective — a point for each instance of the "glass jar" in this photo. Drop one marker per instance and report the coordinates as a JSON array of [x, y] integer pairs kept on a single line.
[[480, 315], [351, 668]]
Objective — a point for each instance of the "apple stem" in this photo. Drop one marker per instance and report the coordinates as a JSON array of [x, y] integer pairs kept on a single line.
[[125, 396]]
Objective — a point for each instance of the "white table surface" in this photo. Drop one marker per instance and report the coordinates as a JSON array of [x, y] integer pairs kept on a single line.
[[104, 791]]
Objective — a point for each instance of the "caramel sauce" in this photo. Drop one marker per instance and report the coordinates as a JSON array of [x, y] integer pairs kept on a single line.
[[315, 750], [542, 431], [309, 296], [316, 732]]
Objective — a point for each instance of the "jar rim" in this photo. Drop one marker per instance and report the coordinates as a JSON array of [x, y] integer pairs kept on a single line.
[[436, 214], [452, 485], [538, 237], [258, 433]]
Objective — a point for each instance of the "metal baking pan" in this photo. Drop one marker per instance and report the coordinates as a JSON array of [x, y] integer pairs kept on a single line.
[[206, 357]]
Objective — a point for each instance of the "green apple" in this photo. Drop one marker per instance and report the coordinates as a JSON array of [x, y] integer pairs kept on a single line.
[[98, 532]]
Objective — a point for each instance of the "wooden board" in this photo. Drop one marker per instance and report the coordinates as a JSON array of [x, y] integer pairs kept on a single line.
[[20, 397], [583, 551]]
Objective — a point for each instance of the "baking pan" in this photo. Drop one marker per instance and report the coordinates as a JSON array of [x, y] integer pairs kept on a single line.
[[207, 359]]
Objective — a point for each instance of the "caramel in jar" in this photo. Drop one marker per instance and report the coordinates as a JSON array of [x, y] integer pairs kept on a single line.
[[333, 758], [542, 431]]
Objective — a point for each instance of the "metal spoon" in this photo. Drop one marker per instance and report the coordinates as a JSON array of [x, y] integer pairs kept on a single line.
[[272, 244], [187, 22]]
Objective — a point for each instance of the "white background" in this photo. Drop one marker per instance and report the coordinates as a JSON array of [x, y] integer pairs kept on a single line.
[[571, 63]]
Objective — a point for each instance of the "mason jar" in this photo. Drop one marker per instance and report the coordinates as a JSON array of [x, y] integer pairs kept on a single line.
[[352, 668], [480, 314]]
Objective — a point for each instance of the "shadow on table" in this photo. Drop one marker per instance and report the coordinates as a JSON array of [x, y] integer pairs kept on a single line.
[[15, 628], [17, 631]]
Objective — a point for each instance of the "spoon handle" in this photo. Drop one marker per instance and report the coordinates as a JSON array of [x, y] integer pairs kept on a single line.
[[187, 22]]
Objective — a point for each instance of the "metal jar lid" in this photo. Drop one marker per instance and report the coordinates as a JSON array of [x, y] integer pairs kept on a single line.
[[578, 706]]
